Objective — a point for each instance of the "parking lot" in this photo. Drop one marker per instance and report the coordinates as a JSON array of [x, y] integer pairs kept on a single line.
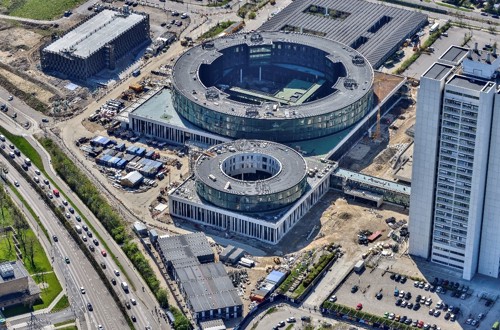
[[369, 283]]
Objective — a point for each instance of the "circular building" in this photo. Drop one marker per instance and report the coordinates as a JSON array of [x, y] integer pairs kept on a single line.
[[250, 175], [272, 85]]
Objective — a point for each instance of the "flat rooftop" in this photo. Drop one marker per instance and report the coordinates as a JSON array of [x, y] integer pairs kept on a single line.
[[185, 246], [185, 76], [187, 191], [292, 171], [438, 71], [93, 34], [373, 29], [373, 181], [474, 84], [17, 268], [157, 105], [208, 287], [454, 54]]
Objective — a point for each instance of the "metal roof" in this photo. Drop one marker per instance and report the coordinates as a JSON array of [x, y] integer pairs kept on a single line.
[[207, 287], [95, 33], [381, 27], [185, 246]]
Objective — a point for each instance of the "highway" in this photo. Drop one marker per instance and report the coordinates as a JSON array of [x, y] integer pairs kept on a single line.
[[105, 311], [79, 272]]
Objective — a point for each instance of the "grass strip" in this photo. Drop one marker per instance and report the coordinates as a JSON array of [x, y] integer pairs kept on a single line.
[[30, 210], [63, 303], [27, 149], [90, 195]]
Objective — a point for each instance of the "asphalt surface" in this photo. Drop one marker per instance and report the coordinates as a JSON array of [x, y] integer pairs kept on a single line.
[[102, 314]]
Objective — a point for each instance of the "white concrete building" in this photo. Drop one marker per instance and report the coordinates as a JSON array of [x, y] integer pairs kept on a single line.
[[456, 155]]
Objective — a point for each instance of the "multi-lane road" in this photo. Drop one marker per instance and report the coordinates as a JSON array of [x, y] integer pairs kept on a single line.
[[79, 273]]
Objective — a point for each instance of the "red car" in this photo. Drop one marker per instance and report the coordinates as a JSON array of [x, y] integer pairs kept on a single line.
[[359, 307], [104, 253]]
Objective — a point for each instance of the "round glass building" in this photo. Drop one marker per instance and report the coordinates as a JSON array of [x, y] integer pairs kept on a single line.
[[275, 86]]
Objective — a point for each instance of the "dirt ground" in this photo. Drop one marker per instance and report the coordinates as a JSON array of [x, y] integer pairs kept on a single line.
[[376, 157]]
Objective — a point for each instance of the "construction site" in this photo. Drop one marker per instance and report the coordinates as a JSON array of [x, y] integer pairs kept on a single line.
[[21, 69]]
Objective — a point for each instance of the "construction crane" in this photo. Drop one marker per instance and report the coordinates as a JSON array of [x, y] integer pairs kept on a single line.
[[376, 135]]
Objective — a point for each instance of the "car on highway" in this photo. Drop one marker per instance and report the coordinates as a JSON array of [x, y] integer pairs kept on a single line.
[[84, 238], [95, 241], [46, 181], [50, 195], [71, 210], [103, 265], [54, 237], [133, 318], [100, 327], [68, 215], [91, 248], [67, 260], [82, 290], [103, 252], [89, 307], [133, 301], [113, 281], [10, 98], [16, 183], [65, 203], [117, 273], [85, 228], [79, 219], [37, 172], [89, 233], [127, 304], [36, 179]]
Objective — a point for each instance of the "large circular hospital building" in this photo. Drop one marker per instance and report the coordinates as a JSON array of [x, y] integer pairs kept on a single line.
[[274, 86]]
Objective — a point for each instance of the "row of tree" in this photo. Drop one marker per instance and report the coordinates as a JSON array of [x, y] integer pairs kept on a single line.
[[110, 219]]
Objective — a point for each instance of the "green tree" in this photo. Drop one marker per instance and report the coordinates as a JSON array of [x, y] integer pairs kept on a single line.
[[162, 297], [252, 15]]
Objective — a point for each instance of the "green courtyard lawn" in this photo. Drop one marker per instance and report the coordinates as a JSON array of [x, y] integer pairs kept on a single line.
[[39, 9]]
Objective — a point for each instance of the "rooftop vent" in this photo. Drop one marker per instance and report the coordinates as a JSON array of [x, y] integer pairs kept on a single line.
[[358, 60], [256, 37], [212, 94], [350, 83], [6, 270]]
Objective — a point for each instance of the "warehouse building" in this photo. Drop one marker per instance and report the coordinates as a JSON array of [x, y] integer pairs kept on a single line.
[[374, 30], [96, 44], [205, 285], [16, 286]]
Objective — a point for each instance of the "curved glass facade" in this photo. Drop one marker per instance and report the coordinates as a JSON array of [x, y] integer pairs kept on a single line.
[[249, 203], [280, 130]]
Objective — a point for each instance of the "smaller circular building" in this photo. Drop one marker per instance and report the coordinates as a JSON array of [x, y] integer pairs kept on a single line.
[[251, 175]]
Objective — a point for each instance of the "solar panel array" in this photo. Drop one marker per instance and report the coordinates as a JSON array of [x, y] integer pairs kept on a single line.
[[375, 30]]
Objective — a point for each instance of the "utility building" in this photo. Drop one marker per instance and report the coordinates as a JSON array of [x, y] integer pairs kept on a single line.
[[96, 44]]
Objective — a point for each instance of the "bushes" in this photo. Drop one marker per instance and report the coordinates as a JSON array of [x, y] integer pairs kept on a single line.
[[100, 207], [318, 267], [181, 322]]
